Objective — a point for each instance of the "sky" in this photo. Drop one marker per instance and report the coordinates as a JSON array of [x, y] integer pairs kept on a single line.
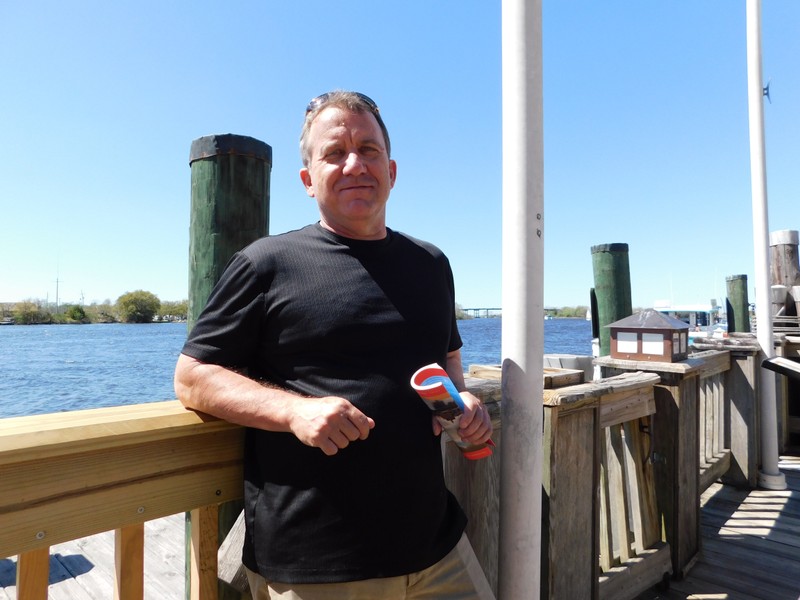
[[646, 138]]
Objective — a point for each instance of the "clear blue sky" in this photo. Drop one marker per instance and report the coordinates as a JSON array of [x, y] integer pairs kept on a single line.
[[646, 133]]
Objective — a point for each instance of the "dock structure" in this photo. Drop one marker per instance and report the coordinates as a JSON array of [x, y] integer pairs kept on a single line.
[[750, 550], [650, 476]]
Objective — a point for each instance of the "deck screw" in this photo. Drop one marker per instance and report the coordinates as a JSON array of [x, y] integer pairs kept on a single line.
[[140, 510], [40, 535], [219, 492]]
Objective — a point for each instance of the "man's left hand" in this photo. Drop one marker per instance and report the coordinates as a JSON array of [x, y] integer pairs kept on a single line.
[[475, 425]]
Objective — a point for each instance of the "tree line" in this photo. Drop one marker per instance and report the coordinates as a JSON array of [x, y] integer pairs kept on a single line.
[[132, 307], [145, 307]]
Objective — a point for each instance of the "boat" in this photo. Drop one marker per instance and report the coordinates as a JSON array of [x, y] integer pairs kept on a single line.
[[704, 320]]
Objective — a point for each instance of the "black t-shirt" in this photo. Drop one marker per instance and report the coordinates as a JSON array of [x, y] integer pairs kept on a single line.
[[324, 315]]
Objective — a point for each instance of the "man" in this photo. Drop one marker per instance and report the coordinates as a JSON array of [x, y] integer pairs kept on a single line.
[[310, 340]]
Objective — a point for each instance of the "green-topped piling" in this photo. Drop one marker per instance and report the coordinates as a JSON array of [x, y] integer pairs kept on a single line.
[[612, 288], [737, 305], [230, 209]]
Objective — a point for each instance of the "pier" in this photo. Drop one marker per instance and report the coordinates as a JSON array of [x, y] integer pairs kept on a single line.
[[96, 499]]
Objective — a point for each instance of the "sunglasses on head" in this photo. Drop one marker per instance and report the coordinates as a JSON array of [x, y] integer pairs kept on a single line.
[[320, 100]]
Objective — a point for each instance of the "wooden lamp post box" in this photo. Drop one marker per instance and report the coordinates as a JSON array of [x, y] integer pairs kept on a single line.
[[649, 336]]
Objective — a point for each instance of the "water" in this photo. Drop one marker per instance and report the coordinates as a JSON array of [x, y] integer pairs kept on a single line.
[[481, 339], [53, 368]]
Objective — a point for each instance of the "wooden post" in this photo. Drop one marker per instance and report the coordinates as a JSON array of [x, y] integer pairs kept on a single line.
[[33, 574], [612, 286], [203, 555], [785, 269], [129, 562], [570, 474], [230, 209], [738, 306], [742, 406]]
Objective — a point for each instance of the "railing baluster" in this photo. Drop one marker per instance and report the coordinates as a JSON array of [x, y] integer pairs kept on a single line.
[[633, 482], [651, 525], [606, 539], [719, 395], [703, 416], [618, 500], [205, 523], [33, 574], [129, 562]]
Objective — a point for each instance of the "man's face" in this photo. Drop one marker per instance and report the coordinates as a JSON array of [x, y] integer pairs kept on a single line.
[[349, 173]]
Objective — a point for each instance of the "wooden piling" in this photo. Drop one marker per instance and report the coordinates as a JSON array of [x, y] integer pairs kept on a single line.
[[784, 265], [612, 287], [230, 209], [737, 304]]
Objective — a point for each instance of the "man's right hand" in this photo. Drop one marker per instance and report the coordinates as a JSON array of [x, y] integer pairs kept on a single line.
[[329, 423]]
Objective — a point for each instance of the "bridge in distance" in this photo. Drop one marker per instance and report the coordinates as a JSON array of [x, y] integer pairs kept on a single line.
[[485, 313]]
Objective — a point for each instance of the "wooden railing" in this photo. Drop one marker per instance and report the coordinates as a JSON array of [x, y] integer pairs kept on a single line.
[[631, 545], [619, 455], [705, 429], [728, 388], [713, 416], [70, 475], [601, 537], [597, 438]]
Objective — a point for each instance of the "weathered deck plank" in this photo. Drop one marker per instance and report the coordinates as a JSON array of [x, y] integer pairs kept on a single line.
[[750, 544]]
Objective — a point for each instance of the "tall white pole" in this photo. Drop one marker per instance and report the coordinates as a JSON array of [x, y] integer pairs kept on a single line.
[[523, 306], [770, 476]]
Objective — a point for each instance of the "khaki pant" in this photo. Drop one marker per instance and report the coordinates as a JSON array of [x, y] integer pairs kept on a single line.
[[458, 576]]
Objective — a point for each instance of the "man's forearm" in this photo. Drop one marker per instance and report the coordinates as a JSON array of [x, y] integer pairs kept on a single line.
[[455, 370], [329, 423], [229, 395]]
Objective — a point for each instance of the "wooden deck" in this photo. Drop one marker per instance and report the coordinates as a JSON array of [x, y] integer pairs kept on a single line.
[[750, 550], [750, 544]]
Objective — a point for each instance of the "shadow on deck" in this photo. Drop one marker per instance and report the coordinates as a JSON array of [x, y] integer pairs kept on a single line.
[[750, 544]]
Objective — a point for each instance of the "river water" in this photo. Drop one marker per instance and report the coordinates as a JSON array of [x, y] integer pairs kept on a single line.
[[54, 368]]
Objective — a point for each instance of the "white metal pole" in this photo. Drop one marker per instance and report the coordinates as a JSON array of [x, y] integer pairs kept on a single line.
[[523, 306], [770, 476]]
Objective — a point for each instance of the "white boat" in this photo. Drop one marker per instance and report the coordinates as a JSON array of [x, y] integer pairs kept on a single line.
[[704, 320]]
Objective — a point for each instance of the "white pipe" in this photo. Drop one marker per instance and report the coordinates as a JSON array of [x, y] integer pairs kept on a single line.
[[770, 476], [523, 305]]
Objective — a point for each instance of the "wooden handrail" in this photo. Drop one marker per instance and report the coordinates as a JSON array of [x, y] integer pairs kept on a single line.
[[69, 475]]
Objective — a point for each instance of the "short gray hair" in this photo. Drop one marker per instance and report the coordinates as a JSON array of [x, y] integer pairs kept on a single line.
[[355, 102]]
